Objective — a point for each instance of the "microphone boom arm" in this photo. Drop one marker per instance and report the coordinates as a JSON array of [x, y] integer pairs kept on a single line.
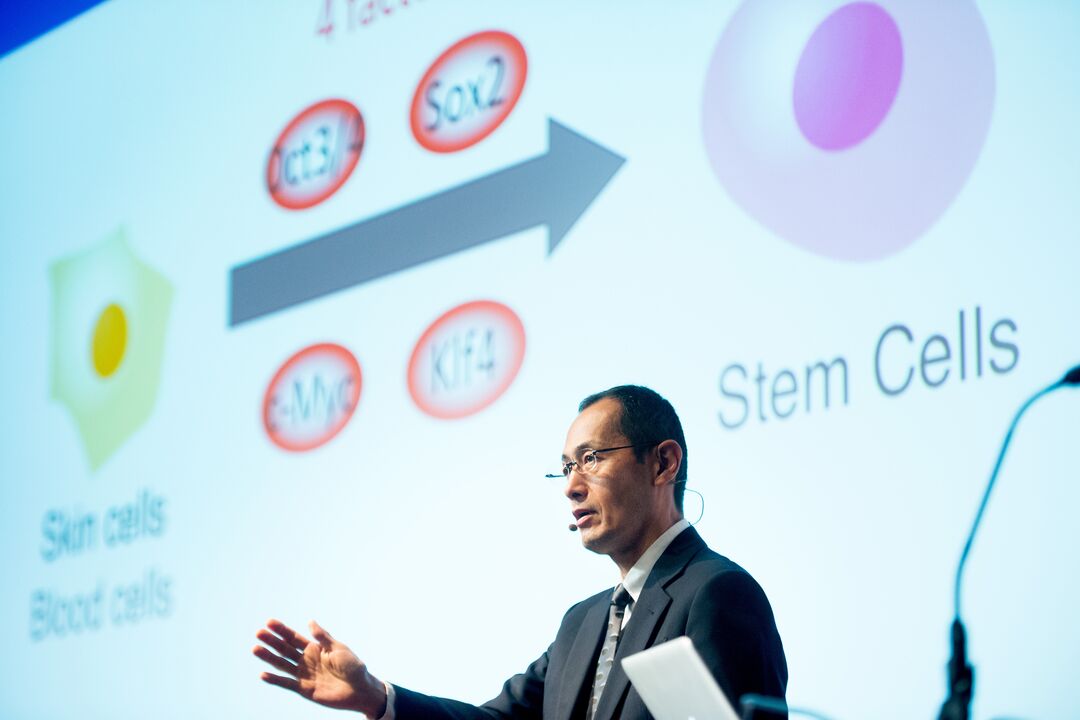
[[961, 674]]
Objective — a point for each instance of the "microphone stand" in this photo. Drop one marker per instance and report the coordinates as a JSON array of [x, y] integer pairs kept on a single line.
[[960, 673]]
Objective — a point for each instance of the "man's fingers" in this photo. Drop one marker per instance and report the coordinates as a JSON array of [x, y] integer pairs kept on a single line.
[[287, 683], [321, 636], [289, 635], [280, 663], [284, 649]]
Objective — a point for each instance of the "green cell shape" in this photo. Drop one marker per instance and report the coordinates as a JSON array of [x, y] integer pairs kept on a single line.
[[107, 378]]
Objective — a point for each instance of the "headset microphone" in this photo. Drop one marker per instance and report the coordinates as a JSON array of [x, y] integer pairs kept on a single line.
[[572, 528]]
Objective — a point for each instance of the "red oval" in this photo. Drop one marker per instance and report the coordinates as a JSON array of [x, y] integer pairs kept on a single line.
[[486, 73], [455, 371], [321, 381], [315, 154]]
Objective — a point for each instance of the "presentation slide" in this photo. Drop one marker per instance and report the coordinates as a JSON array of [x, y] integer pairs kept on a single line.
[[299, 298]]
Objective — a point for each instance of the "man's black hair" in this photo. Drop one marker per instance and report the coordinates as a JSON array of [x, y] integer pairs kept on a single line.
[[647, 419]]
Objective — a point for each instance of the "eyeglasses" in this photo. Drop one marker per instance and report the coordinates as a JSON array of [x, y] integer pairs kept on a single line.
[[590, 458]]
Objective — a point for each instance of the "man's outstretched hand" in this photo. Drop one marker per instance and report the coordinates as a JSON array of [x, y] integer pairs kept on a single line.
[[323, 670]]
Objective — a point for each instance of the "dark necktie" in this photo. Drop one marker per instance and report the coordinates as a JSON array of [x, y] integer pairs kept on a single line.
[[619, 601]]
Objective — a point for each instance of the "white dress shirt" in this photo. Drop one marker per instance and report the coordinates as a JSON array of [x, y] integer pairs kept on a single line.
[[634, 582]]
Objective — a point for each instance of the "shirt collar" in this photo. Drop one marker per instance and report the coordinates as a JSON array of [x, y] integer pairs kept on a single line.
[[634, 582]]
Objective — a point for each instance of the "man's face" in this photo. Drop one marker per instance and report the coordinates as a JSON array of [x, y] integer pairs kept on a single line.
[[612, 505]]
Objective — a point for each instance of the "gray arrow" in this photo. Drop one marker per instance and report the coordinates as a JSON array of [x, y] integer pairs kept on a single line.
[[552, 189]]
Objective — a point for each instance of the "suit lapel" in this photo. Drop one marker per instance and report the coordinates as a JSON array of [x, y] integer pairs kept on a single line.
[[581, 662], [647, 612]]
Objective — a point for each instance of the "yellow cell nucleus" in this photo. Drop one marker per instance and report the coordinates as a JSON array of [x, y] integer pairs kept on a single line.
[[110, 340]]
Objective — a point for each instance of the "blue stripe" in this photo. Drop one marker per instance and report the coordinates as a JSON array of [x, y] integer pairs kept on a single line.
[[23, 21]]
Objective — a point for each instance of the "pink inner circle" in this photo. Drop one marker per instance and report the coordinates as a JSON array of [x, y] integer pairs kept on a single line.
[[848, 76]]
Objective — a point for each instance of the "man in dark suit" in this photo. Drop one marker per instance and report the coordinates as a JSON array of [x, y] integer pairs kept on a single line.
[[625, 466]]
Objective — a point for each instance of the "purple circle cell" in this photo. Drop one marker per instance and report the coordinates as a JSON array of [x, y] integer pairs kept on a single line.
[[808, 129], [848, 76]]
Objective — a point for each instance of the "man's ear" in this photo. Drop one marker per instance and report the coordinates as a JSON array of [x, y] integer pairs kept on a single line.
[[670, 456]]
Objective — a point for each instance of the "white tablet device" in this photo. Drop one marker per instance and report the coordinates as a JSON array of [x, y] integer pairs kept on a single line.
[[675, 684]]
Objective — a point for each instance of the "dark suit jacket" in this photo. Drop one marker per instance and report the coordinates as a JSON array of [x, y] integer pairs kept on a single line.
[[691, 591]]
